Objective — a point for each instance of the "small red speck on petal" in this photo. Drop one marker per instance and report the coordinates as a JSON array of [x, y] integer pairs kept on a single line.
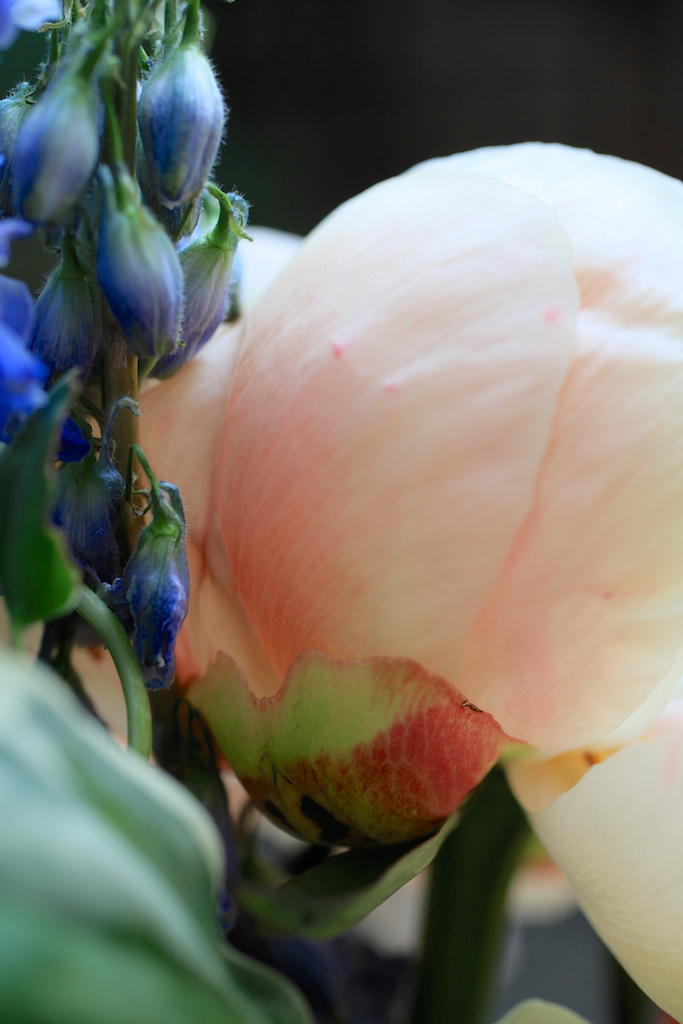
[[340, 344], [553, 314]]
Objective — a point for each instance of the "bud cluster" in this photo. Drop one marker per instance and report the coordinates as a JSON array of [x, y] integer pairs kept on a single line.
[[108, 153]]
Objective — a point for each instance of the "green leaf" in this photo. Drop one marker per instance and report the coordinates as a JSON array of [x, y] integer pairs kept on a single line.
[[333, 896], [62, 972], [278, 1001], [537, 1011], [111, 873], [36, 575]]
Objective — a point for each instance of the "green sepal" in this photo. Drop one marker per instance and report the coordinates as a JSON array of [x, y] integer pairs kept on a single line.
[[333, 896], [36, 575], [357, 752]]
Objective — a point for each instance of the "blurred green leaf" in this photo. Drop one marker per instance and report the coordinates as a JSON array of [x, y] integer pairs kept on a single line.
[[537, 1011], [110, 877], [278, 1001], [36, 575], [331, 897]]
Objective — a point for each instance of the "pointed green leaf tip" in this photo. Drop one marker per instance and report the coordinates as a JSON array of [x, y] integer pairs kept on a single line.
[[351, 753]]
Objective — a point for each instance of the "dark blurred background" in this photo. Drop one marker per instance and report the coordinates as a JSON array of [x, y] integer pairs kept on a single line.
[[329, 97]]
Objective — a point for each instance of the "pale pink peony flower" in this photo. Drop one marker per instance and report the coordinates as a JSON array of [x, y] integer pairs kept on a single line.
[[452, 431]]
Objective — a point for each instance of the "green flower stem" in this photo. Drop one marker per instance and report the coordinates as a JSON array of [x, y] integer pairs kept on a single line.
[[104, 622], [632, 1005], [466, 910], [120, 379]]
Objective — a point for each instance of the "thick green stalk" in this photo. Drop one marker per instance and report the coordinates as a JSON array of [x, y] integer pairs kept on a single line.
[[632, 1005], [120, 379], [119, 367], [105, 623], [466, 911]]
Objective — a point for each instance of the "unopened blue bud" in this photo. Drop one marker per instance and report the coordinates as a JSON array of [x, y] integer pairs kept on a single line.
[[138, 269], [13, 110], [207, 266], [181, 116], [87, 505], [73, 444], [56, 151], [67, 331], [22, 376], [151, 596], [178, 222]]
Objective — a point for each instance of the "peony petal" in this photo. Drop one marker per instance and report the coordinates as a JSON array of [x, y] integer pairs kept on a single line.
[[351, 753], [180, 429], [531, 166], [261, 260], [537, 1011], [389, 415], [585, 629], [180, 426], [617, 835]]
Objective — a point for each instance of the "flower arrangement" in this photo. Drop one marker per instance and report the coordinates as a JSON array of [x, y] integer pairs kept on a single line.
[[401, 544]]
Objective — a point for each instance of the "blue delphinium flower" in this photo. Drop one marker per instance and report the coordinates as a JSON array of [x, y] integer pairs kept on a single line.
[[181, 116], [86, 507], [207, 265], [22, 376], [56, 151], [151, 597], [67, 329], [138, 269], [26, 14], [73, 444]]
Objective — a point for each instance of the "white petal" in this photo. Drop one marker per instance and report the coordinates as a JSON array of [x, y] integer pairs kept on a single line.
[[585, 630], [531, 166], [180, 427], [537, 1011], [391, 407], [262, 260], [618, 836]]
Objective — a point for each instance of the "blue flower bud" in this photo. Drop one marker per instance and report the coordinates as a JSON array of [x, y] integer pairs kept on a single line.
[[181, 116], [73, 444], [56, 150], [67, 330], [21, 375], [138, 269], [87, 504], [207, 266], [151, 597], [178, 222], [13, 110]]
